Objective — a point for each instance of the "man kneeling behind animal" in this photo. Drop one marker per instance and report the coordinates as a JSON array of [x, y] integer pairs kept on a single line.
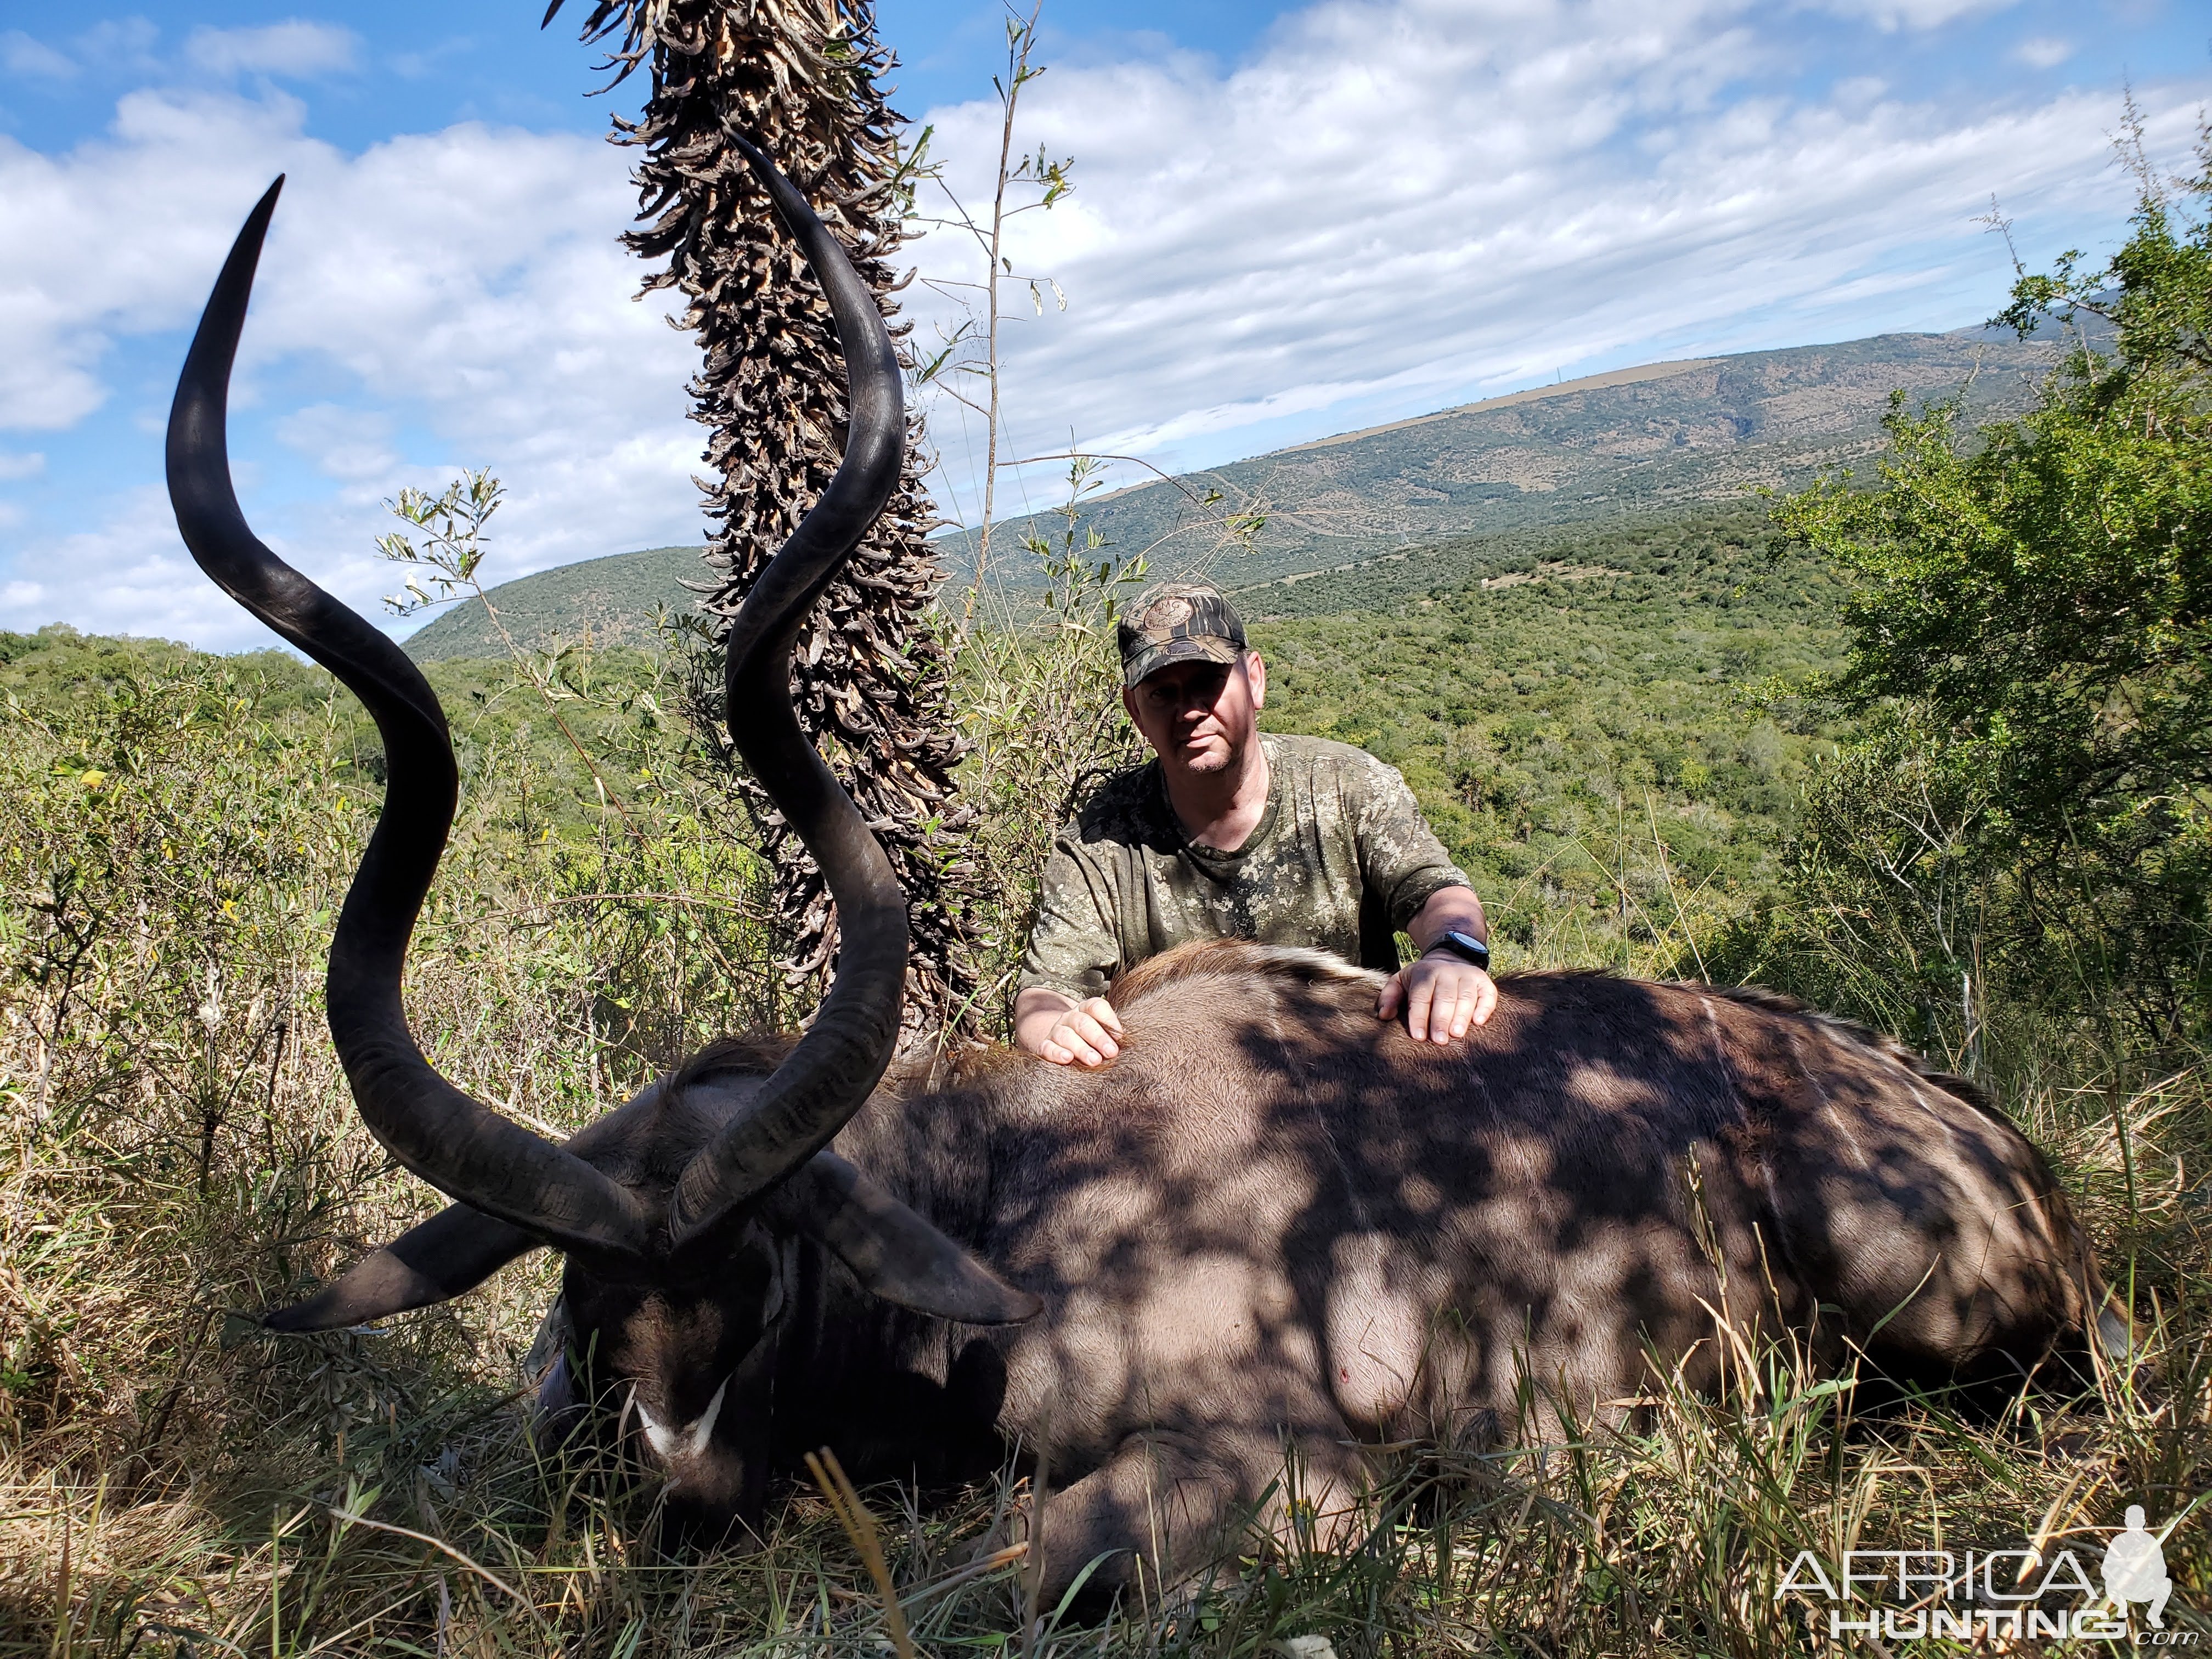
[[1230, 834]]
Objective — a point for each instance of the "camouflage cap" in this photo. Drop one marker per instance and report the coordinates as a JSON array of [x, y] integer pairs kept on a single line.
[[1178, 622]]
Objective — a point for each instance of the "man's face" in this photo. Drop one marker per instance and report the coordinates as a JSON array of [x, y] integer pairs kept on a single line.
[[1200, 716]]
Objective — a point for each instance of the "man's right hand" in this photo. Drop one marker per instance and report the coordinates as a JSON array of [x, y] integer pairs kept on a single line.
[[1066, 1032]]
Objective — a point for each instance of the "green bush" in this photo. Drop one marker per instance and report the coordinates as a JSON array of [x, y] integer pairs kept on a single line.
[[2032, 625]]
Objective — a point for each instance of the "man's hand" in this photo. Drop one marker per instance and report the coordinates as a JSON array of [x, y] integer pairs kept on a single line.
[[1065, 1031], [1442, 997]]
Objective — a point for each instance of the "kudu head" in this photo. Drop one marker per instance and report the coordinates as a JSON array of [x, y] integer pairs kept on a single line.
[[676, 1211]]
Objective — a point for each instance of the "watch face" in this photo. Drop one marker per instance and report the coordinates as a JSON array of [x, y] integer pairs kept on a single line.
[[1467, 946]]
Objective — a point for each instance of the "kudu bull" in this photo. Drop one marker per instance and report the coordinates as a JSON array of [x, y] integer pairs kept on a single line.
[[1274, 1223]]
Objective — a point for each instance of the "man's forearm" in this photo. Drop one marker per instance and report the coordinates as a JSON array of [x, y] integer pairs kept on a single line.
[[1441, 995], [1448, 909]]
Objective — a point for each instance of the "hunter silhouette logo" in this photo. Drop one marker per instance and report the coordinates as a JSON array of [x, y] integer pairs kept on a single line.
[[1989, 1594], [2135, 1569]]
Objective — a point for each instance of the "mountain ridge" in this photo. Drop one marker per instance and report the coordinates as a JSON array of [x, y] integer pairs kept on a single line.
[[1635, 442], [1659, 371], [1512, 472]]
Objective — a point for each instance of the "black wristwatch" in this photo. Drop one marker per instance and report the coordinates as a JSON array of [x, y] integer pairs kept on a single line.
[[1466, 946]]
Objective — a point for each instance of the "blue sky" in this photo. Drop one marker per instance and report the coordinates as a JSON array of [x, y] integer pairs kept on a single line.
[[1289, 221]]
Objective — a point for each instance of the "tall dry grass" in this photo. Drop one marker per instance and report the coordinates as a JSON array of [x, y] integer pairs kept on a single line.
[[175, 1145]]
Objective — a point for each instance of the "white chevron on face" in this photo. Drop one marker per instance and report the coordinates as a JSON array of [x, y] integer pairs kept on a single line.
[[685, 1440]]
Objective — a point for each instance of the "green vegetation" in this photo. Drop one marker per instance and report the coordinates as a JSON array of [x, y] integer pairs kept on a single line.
[[175, 831], [2029, 642], [507, 724], [1576, 723]]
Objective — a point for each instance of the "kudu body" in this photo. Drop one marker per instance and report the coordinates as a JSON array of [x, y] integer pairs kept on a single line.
[[1273, 1224]]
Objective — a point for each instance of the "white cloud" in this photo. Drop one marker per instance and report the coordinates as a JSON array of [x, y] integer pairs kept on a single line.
[[121, 46], [1893, 15], [1402, 203], [462, 289], [21, 467], [110, 238], [293, 47], [2042, 51], [130, 575], [348, 443], [21, 55]]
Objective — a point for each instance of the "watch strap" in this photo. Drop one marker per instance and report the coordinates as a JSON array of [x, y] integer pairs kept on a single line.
[[1465, 946]]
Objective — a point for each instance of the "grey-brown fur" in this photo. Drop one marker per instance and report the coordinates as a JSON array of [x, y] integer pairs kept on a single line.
[[1277, 1222]]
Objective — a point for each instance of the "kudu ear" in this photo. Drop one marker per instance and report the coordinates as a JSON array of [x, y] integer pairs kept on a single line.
[[455, 1250], [893, 1252]]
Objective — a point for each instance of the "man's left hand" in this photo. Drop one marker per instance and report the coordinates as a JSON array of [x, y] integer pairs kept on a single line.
[[1442, 997]]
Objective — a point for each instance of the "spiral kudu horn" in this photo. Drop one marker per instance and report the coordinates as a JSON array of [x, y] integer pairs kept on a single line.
[[825, 1079], [459, 1146]]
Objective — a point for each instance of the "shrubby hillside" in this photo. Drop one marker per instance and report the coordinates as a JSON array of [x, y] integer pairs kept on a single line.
[[1594, 728], [606, 602], [1660, 439], [508, 725]]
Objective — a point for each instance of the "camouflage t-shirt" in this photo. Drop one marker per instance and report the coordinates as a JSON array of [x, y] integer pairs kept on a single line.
[[1341, 860]]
